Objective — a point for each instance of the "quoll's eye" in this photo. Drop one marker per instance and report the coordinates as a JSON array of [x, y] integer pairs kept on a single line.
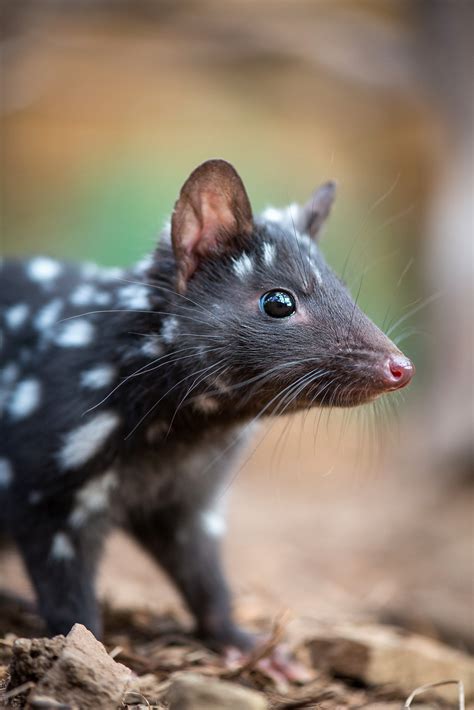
[[278, 304]]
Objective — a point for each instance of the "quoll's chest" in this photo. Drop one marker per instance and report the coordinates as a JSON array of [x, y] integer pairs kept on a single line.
[[190, 474]]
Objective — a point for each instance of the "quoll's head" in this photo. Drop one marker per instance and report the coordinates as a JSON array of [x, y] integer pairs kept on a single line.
[[273, 323]]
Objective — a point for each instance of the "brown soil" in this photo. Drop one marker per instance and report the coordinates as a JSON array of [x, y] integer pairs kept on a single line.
[[310, 534]]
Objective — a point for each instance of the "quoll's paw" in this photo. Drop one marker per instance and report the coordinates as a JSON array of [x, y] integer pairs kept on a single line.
[[244, 652], [273, 661]]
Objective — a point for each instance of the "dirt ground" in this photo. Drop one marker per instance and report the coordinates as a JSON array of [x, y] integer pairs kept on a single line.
[[328, 537]]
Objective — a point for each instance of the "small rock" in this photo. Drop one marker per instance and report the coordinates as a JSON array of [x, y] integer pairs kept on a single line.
[[84, 675], [383, 655], [73, 671], [190, 691], [32, 658]]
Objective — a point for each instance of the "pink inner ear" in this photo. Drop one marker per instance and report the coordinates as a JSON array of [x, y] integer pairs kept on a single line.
[[190, 230], [216, 217], [200, 231]]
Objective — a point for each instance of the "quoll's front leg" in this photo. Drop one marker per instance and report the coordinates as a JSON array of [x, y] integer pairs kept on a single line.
[[186, 543], [61, 560]]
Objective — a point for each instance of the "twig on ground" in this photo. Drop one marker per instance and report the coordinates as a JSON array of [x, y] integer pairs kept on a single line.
[[265, 649]]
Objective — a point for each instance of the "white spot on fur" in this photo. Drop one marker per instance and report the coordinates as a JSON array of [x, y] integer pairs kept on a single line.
[[286, 217], [88, 295], [169, 329], [62, 547], [144, 264], [102, 298], [242, 266], [272, 214], [16, 315], [290, 216], [135, 297], [98, 377], [166, 231], [152, 347], [90, 270], [316, 271], [92, 498], [83, 294], [312, 250], [305, 241], [6, 473], [206, 404], [43, 269], [213, 523], [82, 444], [49, 314], [269, 253], [25, 399], [74, 334], [111, 273]]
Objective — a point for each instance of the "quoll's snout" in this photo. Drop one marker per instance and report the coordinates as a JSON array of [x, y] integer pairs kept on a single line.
[[397, 371]]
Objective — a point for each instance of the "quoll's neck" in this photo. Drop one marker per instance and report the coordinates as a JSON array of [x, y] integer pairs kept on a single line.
[[173, 388]]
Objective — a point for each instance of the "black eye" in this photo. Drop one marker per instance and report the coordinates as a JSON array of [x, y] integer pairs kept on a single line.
[[278, 304]]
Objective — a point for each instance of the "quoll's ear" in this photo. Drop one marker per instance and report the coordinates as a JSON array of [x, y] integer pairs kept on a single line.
[[212, 211], [315, 212]]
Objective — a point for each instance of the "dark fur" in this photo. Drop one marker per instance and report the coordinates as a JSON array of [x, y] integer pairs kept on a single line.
[[165, 485]]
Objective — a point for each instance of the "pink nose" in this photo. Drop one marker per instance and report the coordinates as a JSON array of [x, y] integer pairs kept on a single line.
[[397, 371]]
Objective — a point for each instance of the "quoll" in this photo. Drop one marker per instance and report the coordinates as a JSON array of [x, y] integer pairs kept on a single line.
[[127, 396]]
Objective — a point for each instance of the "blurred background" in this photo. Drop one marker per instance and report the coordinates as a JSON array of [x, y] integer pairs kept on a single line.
[[107, 105]]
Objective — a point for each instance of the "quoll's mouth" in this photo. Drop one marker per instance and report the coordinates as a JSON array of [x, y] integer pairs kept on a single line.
[[372, 379]]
